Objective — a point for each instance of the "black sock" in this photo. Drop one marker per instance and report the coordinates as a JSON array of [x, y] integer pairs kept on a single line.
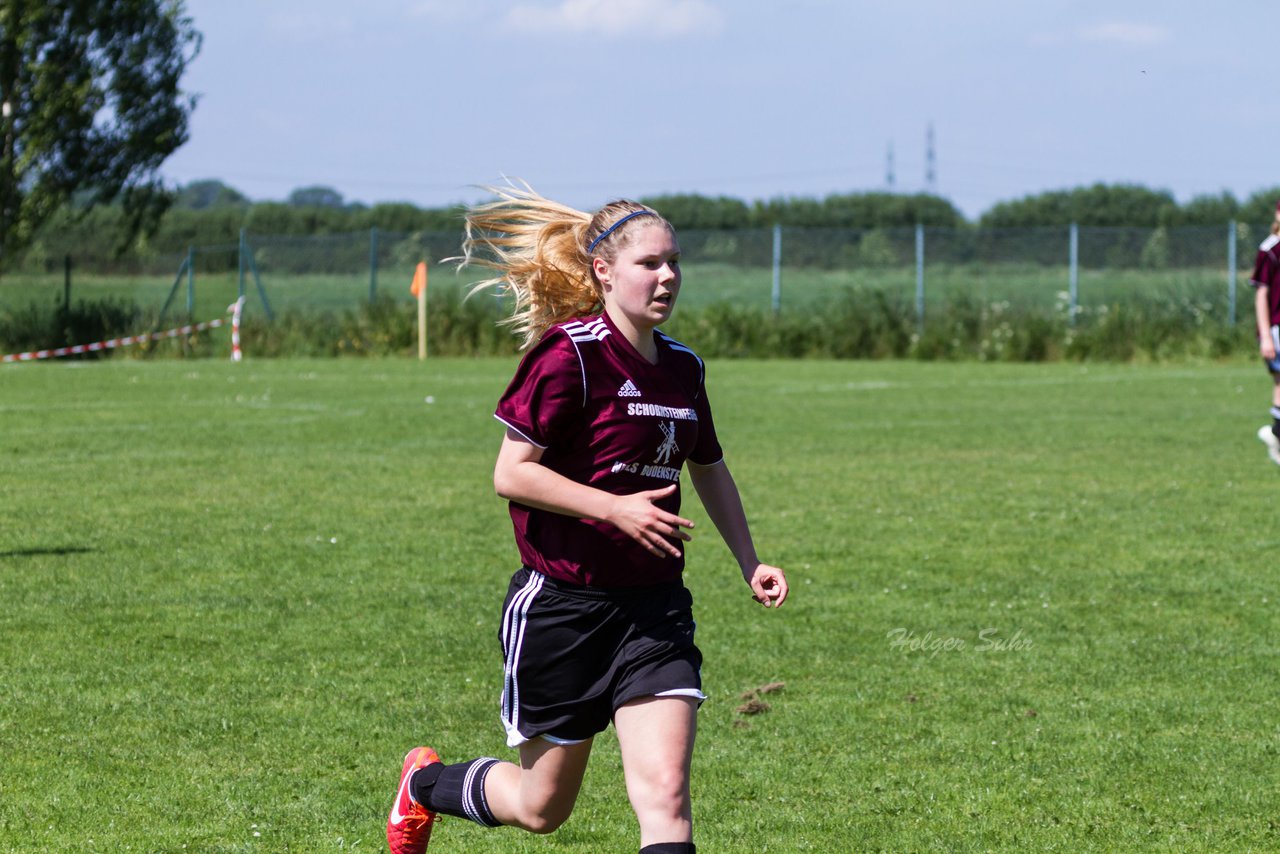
[[456, 790], [1275, 421], [669, 848]]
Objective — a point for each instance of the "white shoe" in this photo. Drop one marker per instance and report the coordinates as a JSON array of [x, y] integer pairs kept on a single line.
[[1273, 444]]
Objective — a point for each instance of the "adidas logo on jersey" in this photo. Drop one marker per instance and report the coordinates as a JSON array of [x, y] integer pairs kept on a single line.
[[628, 390]]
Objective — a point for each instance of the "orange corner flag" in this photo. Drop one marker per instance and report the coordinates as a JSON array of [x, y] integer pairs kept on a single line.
[[419, 279]]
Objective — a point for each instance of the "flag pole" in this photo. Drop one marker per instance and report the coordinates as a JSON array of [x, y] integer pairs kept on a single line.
[[419, 290]]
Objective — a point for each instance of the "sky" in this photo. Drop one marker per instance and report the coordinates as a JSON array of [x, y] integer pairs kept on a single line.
[[426, 101]]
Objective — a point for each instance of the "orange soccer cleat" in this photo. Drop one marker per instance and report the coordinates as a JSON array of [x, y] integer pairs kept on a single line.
[[409, 825]]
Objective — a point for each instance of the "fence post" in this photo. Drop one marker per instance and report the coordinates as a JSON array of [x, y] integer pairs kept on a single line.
[[1231, 273], [246, 254], [191, 281], [240, 280], [777, 268], [173, 291], [1074, 279], [920, 276], [373, 263]]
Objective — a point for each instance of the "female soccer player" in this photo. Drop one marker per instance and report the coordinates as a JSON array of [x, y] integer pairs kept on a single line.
[[1266, 303], [601, 416]]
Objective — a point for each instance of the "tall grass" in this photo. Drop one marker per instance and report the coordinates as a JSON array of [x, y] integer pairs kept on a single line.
[[855, 323]]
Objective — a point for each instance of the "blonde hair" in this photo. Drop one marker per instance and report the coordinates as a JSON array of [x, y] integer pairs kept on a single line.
[[539, 250]]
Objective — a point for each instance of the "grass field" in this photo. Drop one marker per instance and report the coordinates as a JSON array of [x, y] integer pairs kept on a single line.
[[1034, 608]]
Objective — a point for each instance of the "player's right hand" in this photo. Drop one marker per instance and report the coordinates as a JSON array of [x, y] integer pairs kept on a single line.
[[637, 516], [1268, 348]]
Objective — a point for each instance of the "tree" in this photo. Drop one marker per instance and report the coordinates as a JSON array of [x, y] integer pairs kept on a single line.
[[862, 211], [274, 218], [1098, 205], [316, 197], [1260, 208], [209, 193], [689, 211], [1204, 210], [89, 105]]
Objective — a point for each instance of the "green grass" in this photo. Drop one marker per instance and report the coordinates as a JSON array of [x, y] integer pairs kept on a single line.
[[234, 595]]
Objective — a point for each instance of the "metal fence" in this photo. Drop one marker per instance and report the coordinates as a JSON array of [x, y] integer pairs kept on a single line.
[[1072, 269]]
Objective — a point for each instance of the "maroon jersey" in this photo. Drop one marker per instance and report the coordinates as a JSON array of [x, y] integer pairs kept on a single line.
[[607, 418], [1266, 273]]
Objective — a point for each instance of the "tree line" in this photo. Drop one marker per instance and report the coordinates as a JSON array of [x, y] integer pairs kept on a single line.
[[212, 213]]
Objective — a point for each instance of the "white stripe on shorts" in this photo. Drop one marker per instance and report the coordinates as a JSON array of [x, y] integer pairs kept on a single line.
[[513, 625], [683, 692]]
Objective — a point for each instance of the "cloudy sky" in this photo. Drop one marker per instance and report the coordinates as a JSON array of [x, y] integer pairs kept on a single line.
[[422, 100]]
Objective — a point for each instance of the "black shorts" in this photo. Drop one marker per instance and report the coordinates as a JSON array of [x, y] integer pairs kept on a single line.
[[574, 654]]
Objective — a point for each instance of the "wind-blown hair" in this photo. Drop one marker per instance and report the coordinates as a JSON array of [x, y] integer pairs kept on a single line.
[[538, 250]]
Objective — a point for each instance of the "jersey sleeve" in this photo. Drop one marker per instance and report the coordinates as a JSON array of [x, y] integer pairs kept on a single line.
[[1266, 266], [546, 396], [1261, 270]]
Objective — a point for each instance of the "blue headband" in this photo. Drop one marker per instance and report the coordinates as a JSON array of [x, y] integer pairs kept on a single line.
[[591, 247]]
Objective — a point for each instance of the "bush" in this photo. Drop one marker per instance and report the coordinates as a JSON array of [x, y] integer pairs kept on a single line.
[[858, 323], [386, 327], [38, 327]]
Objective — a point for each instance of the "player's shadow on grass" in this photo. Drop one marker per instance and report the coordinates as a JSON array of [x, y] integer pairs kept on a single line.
[[61, 550]]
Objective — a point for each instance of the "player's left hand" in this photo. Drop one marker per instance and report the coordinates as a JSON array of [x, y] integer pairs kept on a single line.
[[768, 584]]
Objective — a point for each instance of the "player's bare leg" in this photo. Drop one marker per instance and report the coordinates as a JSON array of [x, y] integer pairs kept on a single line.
[[656, 735], [538, 794], [1268, 434]]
